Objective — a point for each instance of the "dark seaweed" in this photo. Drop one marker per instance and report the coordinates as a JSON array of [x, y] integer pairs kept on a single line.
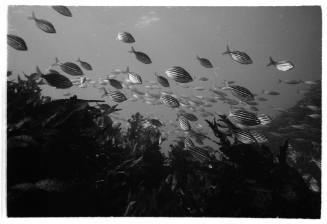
[[66, 158]]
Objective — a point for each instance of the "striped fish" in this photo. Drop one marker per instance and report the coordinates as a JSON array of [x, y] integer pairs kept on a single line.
[[170, 101], [43, 24], [142, 57], [260, 138], [238, 56], [117, 96], [16, 42], [184, 124], [264, 119], [162, 80], [188, 142], [84, 64], [199, 153], [281, 65], [244, 136], [204, 62], [55, 79], [245, 117], [240, 92], [189, 116], [115, 83], [134, 78], [69, 67], [125, 37], [63, 10], [179, 74]]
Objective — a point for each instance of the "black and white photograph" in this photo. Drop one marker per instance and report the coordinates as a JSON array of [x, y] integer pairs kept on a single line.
[[163, 111]]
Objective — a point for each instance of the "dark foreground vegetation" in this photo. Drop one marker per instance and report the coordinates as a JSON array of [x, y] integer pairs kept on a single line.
[[67, 158]]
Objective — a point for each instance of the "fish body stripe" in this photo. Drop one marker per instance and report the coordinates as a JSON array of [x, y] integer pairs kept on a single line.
[[179, 74], [184, 124], [135, 78], [162, 81], [170, 101], [125, 37], [63, 10], [16, 42]]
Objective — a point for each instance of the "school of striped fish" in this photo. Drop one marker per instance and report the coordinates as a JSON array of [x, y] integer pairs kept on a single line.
[[122, 86]]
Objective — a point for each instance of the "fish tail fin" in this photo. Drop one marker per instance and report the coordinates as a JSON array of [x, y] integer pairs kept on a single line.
[[127, 69], [197, 57], [132, 50], [271, 61], [32, 17], [227, 50]]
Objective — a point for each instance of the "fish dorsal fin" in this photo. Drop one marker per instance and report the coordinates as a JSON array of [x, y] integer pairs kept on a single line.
[[227, 50], [38, 71], [56, 62], [32, 17], [271, 61], [127, 69], [132, 50]]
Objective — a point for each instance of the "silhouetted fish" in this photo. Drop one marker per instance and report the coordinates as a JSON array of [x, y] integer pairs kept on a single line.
[[115, 83], [162, 80], [63, 10], [204, 62], [56, 80], [43, 24], [84, 64], [272, 92], [16, 42], [142, 57], [238, 56], [203, 79], [292, 82]]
